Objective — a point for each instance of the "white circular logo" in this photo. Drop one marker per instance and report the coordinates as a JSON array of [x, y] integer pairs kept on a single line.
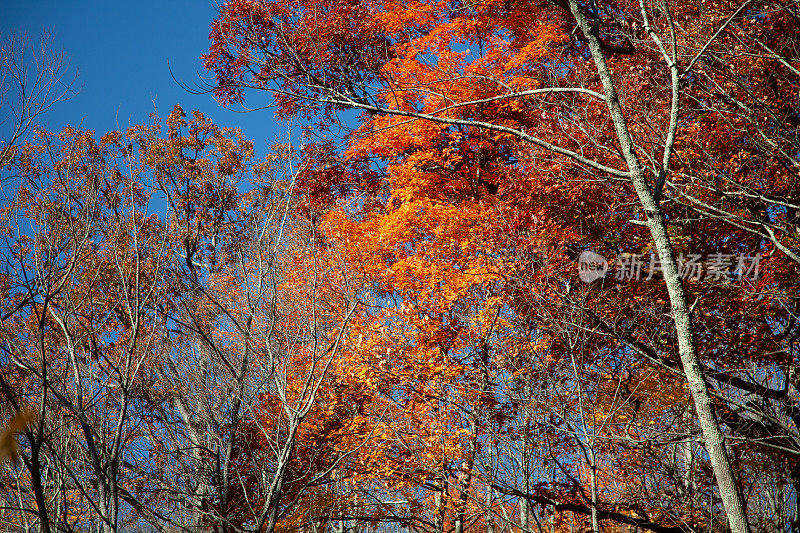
[[591, 266]]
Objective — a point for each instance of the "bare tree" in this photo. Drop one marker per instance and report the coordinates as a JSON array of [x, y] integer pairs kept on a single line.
[[34, 76]]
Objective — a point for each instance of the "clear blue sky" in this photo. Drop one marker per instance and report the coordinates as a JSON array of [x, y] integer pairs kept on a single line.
[[123, 52]]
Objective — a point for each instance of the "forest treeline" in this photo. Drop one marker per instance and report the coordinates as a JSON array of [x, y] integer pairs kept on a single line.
[[533, 269]]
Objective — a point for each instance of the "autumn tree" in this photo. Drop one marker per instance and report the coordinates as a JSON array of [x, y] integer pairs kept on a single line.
[[546, 129], [263, 316], [158, 296], [79, 329]]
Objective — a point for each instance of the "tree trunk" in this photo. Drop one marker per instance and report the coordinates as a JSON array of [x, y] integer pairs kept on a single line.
[[712, 435], [593, 487]]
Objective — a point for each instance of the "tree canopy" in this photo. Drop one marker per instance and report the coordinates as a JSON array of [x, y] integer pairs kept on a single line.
[[534, 268]]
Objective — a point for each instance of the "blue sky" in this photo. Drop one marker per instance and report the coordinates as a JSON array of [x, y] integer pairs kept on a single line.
[[123, 52]]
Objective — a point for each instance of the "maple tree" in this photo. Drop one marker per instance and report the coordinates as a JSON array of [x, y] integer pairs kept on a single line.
[[521, 133]]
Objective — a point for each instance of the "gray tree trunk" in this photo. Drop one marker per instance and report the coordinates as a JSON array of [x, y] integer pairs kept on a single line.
[[712, 434]]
